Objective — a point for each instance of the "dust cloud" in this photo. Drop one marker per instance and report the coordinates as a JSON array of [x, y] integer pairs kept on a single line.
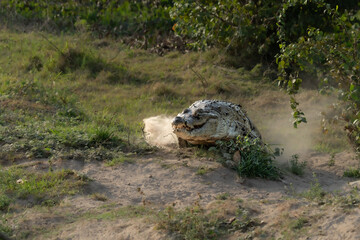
[[274, 121], [158, 132]]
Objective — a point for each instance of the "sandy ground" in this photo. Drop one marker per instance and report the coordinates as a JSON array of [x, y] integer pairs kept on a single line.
[[168, 178]]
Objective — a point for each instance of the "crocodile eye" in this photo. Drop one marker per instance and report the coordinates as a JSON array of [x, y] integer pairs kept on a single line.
[[199, 111], [186, 111]]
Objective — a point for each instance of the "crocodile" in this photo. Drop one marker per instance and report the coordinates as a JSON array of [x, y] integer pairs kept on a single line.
[[207, 121]]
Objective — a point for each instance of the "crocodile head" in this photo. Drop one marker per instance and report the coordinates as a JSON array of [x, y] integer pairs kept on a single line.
[[207, 121]]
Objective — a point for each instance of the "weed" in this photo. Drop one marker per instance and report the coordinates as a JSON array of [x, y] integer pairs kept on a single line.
[[99, 197], [223, 196], [332, 160], [35, 63], [202, 170], [352, 172], [4, 228], [4, 202], [315, 193], [299, 223], [296, 167], [119, 160]]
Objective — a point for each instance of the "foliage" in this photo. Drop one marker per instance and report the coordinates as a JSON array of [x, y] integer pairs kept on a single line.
[[352, 172], [109, 17], [245, 28], [297, 167], [326, 47], [257, 160]]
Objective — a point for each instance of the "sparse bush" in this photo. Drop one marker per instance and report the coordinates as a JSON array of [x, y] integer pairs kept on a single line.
[[296, 167]]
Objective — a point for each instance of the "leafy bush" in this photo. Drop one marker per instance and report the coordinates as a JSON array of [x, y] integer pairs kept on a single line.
[[257, 160], [243, 28], [327, 49], [109, 17]]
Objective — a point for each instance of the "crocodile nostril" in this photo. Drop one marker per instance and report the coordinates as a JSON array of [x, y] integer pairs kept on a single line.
[[178, 120]]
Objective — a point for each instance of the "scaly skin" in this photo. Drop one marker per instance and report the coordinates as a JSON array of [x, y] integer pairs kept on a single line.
[[207, 121]]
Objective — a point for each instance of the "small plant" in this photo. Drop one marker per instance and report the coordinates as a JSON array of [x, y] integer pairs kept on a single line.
[[296, 167], [298, 223], [99, 197], [4, 202], [119, 160], [315, 192], [332, 160], [202, 170], [223, 196], [352, 173], [257, 159]]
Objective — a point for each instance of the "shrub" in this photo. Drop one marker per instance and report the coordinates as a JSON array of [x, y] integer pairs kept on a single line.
[[257, 160]]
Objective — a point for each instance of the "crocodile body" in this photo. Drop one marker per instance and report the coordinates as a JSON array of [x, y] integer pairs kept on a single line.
[[207, 121]]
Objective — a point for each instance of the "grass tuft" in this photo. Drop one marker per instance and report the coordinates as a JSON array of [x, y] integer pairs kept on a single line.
[[352, 173]]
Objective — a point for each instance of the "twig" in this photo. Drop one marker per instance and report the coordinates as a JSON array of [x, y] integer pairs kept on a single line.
[[52, 44], [202, 79]]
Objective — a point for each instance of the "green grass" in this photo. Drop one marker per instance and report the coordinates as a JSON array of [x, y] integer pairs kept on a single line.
[[37, 187], [352, 172], [119, 160]]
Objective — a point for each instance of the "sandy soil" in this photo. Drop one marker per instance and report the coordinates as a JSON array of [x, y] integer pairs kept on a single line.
[[170, 178]]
